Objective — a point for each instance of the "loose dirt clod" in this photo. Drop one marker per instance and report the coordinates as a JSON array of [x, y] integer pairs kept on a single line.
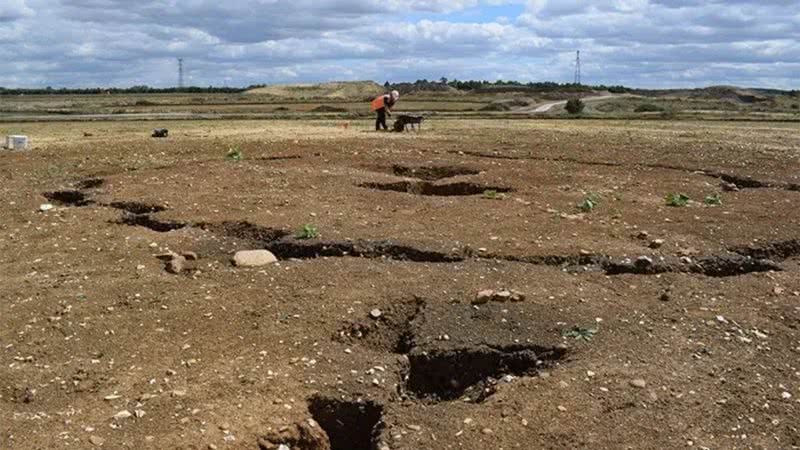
[[350, 425], [430, 189], [300, 436]]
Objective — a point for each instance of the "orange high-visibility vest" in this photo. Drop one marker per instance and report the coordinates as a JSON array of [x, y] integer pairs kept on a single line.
[[378, 103]]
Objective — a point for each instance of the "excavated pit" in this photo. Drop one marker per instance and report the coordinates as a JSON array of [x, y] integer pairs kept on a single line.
[[252, 234], [309, 249], [446, 375], [461, 189], [776, 251], [432, 173], [159, 226], [68, 198], [350, 425], [391, 331], [137, 207]]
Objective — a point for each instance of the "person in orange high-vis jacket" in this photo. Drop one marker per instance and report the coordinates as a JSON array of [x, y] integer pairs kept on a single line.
[[383, 106]]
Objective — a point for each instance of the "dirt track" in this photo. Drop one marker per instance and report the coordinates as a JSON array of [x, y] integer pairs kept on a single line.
[[692, 311]]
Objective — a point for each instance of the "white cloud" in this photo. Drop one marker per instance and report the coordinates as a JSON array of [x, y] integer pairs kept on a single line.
[[240, 42]]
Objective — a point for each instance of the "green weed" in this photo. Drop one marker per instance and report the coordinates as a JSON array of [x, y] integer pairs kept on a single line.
[[713, 200], [677, 200], [581, 333], [308, 232], [589, 203], [234, 154]]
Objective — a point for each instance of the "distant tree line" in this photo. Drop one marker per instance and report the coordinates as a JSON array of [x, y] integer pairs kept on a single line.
[[131, 90]]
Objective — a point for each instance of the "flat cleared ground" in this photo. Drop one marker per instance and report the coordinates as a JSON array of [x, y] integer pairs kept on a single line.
[[690, 315]]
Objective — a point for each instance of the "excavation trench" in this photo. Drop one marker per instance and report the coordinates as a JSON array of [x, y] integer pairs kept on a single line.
[[776, 251], [446, 375], [350, 425], [285, 246], [68, 198], [309, 249], [137, 208], [740, 182], [144, 220], [426, 188], [432, 173]]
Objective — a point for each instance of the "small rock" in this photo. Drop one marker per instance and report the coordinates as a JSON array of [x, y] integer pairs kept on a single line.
[[778, 290], [176, 264], [786, 396], [639, 383], [376, 313], [562, 408], [483, 297], [97, 440], [414, 427], [665, 296], [487, 431], [254, 258], [46, 207], [125, 414], [190, 256], [643, 235], [656, 244]]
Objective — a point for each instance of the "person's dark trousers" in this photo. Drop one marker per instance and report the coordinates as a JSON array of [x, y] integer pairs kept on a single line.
[[381, 121]]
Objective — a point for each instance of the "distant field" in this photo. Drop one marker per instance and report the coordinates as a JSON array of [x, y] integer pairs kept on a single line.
[[502, 105]]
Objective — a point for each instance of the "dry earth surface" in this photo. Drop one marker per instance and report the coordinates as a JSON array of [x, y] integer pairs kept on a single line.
[[642, 326]]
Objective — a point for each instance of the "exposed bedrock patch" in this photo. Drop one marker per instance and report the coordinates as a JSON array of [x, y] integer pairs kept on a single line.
[[137, 207], [305, 249], [68, 198], [777, 250], [432, 173], [143, 220], [430, 189], [350, 425]]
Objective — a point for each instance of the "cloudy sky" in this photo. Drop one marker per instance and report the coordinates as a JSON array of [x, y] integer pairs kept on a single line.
[[646, 43]]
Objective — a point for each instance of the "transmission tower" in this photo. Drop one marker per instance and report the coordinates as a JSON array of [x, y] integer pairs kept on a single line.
[[578, 68], [180, 73]]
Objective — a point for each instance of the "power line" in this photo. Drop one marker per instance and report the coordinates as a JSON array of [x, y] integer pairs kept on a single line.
[[180, 73], [578, 68]]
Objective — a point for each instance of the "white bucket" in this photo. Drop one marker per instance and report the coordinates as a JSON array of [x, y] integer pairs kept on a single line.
[[17, 142]]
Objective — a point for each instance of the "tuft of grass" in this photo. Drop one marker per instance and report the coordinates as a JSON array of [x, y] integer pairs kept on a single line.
[[713, 200], [589, 203], [308, 232], [234, 154], [581, 333], [677, 200], [492, 194]]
